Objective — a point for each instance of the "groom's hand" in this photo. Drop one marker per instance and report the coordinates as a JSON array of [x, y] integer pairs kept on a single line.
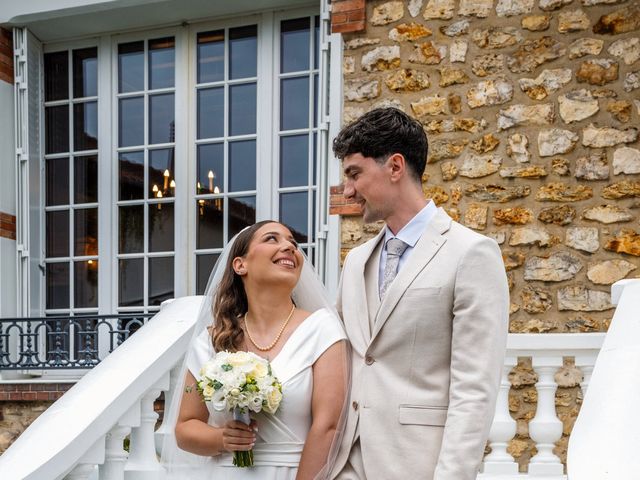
[[238, 437]]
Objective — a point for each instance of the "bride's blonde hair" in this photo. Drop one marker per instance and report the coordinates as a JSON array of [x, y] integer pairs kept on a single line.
[[230, 300]]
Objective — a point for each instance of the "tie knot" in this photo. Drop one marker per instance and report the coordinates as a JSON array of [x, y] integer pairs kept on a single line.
[[396, 247]]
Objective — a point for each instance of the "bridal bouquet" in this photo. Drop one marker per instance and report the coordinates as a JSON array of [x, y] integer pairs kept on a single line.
[[240, 382]]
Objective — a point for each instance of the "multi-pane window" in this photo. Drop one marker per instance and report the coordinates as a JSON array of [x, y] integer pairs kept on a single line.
[[146, 172], [297, 127], [226, 133], [71, 180]]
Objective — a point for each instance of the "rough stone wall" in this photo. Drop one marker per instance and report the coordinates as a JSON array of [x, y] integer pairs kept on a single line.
[[15, 417], [532, 110]]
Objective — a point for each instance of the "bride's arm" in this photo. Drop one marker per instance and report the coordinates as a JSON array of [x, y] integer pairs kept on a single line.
[[195, 435], [329, 390]]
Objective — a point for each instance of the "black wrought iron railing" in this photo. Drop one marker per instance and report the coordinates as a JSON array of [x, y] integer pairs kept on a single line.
[[63, 342]]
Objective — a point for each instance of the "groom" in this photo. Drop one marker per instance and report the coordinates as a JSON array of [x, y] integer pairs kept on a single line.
[[425, 306]]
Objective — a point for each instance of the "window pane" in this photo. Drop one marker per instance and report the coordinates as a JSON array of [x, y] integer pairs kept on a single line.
[[161, 63], [316, 39], [294, 48], [211, 56], [131, 282], [57, 280], [85, 126], [210, 169], [130, 67], [162, 181], [204, 265], [243, 52], [131, 180], [85, 72], [242, 165], [294, 103], [56, 76], [57, 181], [211, 112], [57, 234], [162, 127], [242, 109], [210, 223], [160, 280], [293, 213], [242, 213], [131, 229], [85, 284], [131, 121], [57, 129], [86, 232], [294, 161], [161, 227], [85, 184]]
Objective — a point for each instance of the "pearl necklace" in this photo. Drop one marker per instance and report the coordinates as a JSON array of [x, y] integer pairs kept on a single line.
[[273, 344]]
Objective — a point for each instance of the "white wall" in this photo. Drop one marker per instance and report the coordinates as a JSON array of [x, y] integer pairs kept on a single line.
[[7, 201]]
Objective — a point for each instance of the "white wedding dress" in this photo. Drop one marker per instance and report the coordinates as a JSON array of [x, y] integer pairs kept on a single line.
[[280, 437]]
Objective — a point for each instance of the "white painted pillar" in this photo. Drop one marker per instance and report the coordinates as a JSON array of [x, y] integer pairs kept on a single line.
[[167, 424]]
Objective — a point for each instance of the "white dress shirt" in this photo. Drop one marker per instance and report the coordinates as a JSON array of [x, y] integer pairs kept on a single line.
[[409, 234]]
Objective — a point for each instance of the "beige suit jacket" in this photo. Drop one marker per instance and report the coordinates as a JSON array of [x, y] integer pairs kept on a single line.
[[427, 362]]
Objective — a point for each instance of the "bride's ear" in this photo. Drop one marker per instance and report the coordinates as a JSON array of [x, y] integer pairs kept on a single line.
[[238, 266]]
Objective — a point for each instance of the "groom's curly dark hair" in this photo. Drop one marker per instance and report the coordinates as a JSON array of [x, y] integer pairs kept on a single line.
[[383, 132]]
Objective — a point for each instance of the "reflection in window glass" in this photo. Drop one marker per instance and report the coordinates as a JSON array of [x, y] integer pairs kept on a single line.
[[85, 183], [161, 119], [56, 129], [161, 63], [85, 72], [211, 56], [294, 160], [85, 126], [131, 67], [131, 237], [160, 280], [210, 223], [210, 169], [294, 45], [85, 230], [242, 109], [131, 121], [242, 213], [243, 52], [294, 214], [211, 112], [131, 178], [162, 181], [85, 284], [56, 76], [294, 103], [57, 224], [57, 181], [242, 165], [57, 281], [204, 266], [131, 282], [161, 229]]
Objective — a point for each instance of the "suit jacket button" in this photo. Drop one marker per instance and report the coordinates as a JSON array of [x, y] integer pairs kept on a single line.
[[369, 360], [355, 405]]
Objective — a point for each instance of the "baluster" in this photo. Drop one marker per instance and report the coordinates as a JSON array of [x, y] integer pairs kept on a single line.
[[586, 362], [503, 429], [143, 463], [115, 454], [168, 424], [546, 428], [86, 466]]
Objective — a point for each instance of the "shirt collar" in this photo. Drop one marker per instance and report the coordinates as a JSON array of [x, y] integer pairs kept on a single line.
[[411, 232]]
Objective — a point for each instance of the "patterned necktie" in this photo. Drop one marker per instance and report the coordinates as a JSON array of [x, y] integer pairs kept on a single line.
[[395, 248]]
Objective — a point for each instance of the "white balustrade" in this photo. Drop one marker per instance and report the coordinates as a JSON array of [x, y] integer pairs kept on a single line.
[[115, 454]]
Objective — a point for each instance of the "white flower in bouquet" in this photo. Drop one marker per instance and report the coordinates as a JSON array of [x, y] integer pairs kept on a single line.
[[240, 382]]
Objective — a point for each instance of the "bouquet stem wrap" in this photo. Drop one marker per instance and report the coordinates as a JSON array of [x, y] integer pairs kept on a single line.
[[245, 458]]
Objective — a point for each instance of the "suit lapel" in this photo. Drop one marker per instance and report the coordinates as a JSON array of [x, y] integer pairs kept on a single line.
[[424, 251]]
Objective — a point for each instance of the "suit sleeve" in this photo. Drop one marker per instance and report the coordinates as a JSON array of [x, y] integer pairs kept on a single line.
[[479, 334]]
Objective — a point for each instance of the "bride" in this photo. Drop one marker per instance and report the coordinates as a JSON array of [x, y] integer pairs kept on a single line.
[[266, 300]]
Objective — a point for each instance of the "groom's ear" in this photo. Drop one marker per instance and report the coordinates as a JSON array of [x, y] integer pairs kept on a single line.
[[238, 266]]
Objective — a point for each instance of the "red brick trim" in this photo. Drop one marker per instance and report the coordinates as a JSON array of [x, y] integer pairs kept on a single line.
[[338, 205], [347, 16], [6, 56], [7, 226], [32, 392]]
